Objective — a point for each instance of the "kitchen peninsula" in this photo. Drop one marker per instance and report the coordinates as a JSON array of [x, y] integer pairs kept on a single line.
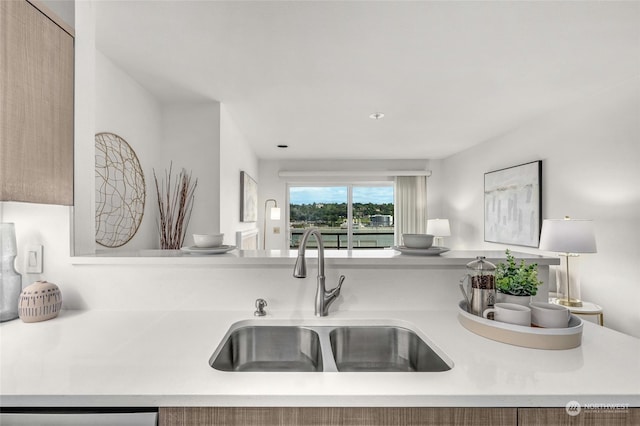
[[152, 348]]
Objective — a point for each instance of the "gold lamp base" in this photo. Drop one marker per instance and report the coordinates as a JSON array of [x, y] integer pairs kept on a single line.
[[573, 303]]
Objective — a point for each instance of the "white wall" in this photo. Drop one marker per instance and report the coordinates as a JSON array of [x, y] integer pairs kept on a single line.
[[236, 156], [436, 197], [590, 152], [64, 9], [273, 186], [191, 140], [41, 224], [124, 107]]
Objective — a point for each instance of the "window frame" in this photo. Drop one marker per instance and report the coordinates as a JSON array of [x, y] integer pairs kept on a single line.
[[349, 184]]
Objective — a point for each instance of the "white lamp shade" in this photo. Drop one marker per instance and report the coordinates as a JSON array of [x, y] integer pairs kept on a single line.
[[275, 213], [568, 236], [438, 227]]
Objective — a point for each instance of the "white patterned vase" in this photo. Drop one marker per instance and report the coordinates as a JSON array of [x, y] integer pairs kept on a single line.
[[40, 301]]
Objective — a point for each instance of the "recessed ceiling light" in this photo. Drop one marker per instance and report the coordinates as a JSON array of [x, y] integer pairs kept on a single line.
[[376, 115], [282, 146]]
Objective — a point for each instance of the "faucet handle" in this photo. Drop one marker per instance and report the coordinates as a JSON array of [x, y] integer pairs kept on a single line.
[[260, 304], [335, 292], [340, 281]]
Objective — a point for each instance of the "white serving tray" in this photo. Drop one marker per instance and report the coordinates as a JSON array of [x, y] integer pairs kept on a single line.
[[518, 335]]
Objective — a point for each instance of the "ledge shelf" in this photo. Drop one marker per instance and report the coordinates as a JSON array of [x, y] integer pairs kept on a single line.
[[383, 258]]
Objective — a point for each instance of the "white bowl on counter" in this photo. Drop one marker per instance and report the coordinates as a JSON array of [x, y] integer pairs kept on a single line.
[[208, 240], [417, 241]]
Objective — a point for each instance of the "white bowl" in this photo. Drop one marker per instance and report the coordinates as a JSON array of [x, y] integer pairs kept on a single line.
[[208, 240], [417, 241]]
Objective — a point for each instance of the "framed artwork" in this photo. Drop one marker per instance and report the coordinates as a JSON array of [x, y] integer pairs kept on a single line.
[[248, 198], [513, 205]]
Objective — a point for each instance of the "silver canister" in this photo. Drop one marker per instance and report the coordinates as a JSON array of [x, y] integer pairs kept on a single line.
[[481, 285], [482, 299]]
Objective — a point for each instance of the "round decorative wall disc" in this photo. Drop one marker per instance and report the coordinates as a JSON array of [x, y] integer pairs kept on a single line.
[[120, 191]]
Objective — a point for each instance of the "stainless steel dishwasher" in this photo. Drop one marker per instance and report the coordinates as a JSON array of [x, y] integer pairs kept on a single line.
[[78, 416]]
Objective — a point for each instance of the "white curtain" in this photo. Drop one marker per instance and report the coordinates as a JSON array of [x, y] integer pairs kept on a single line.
[[410, 206]]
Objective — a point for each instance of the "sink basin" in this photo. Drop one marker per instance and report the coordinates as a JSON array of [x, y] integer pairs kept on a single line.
[[382, 348], [269, 348], [292, 346]]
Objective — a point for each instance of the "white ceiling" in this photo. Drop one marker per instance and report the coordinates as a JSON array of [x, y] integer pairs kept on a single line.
[[447, 75]]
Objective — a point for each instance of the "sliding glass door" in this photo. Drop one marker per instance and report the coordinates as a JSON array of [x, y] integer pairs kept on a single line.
[[349, 216]]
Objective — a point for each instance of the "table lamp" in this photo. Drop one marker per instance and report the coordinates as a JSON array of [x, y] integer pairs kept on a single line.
[[569, 237], [274, 215], [439, 228]]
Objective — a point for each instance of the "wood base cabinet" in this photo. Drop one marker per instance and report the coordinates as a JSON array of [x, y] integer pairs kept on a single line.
[[315, 416], [381, 416], [586, 417], [36, 106]]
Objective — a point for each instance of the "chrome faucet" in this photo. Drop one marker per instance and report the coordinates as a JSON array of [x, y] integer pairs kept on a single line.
[[324, 298]]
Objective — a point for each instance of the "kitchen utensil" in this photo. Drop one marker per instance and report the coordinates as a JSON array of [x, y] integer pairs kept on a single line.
[[549, 315], [482, 294], [511, 313]]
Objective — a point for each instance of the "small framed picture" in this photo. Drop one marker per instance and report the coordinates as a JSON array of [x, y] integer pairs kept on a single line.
[[248, 198]]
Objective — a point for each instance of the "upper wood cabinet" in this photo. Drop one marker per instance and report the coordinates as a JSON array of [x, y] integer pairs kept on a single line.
[[36, 106]]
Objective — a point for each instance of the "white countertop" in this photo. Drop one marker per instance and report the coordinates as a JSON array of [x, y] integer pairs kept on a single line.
[[285, 258], [160, 358]]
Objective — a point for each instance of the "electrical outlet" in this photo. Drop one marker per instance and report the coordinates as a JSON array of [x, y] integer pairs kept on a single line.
[[33, 259], [276, 229]]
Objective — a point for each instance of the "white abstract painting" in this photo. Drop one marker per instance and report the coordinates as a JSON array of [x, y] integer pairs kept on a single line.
[[249, 202], [512, 206]]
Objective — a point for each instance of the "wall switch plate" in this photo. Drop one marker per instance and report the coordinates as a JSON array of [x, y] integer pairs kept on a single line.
[[276, 229], [33, 259]]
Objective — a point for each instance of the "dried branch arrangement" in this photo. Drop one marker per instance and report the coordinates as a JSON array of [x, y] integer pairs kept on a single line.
[[175, 202]]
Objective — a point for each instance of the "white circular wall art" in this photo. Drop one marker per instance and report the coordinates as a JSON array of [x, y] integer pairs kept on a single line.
[[120, 191]]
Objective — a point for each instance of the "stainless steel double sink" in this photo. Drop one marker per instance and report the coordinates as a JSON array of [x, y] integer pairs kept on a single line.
[[262, 346]]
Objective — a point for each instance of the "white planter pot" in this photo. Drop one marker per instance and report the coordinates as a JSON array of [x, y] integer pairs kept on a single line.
[[508, 298]]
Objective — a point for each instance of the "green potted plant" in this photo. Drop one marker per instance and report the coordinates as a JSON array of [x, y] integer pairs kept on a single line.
[[516, 283]]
